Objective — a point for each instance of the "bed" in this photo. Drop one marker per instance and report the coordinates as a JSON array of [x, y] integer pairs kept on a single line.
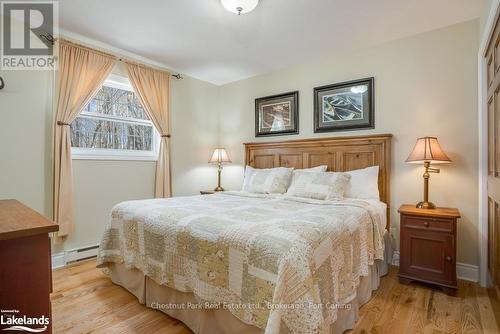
[[252, 263]]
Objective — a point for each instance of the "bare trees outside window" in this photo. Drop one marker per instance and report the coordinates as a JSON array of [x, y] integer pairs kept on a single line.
[[113, 120]]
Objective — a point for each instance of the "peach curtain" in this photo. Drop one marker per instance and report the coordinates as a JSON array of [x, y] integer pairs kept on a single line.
[[81, 73], [152, 87]]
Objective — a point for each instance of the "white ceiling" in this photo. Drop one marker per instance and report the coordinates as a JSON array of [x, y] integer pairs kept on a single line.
[[201, 39]]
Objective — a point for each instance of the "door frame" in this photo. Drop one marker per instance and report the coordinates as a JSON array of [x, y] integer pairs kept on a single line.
[[484, 279]]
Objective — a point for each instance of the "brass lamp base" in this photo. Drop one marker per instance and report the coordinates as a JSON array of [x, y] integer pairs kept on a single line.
[[425, 205], [219, 170]]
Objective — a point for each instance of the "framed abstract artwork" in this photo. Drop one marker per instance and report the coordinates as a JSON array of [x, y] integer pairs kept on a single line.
[[344, 106], [277, 115]]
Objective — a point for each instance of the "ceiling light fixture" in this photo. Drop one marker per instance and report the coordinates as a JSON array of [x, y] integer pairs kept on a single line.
[[239, 6]]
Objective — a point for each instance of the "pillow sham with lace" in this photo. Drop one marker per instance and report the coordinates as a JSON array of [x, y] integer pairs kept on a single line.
[[322, 186], [267, 180]]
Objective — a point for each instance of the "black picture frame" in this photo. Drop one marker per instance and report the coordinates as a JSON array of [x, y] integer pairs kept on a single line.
[[290, 101], [356, 110]]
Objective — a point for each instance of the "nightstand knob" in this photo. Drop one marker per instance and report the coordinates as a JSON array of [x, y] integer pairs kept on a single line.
[[426, 224], [448, 258]]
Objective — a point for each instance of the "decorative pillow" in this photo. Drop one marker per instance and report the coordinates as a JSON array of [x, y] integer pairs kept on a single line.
[[363, 183], [267, 180], [325, 186], [316, 169]]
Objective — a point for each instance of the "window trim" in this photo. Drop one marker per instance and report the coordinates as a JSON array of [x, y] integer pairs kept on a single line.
[[78, 153]]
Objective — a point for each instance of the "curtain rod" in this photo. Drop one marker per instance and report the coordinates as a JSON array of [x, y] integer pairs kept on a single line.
[[177, 76]]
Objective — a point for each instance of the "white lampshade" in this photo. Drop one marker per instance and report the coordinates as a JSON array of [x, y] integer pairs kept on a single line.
[[240, 6], [427, 149], [219, 156]]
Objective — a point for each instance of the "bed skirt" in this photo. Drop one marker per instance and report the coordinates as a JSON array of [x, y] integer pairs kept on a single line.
[[207, 321]]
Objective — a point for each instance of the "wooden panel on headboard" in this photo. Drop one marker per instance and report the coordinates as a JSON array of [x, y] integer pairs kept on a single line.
[[338, 153]]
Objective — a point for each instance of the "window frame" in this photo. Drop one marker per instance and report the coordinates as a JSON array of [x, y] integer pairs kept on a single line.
[[79, 153]]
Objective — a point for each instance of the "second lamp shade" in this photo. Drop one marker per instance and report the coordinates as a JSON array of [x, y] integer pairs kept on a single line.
[[219, 156], [427, 149]]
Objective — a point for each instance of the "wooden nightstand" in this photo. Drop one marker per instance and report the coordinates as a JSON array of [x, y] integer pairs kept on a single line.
[[428, 239], [207, 192]]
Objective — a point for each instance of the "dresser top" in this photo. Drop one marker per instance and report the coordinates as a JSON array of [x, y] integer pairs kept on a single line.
[[410, 209], [18, 220]]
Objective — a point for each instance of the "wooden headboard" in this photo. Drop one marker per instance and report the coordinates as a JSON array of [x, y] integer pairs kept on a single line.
[[338, 153]]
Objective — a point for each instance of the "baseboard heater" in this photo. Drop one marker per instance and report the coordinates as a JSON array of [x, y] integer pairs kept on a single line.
[[81, 254]]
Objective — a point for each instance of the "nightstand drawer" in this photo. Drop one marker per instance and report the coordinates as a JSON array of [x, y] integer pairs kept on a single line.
[[428, 223]]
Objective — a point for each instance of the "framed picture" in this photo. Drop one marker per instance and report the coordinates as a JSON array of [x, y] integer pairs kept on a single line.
[[344, 106], [277, 115]]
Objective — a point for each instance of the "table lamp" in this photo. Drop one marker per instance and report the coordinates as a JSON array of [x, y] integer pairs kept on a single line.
[[219, 157], [427, 150]]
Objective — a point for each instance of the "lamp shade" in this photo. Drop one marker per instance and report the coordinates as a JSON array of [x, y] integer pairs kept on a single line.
[[219, 156], [427, 149]]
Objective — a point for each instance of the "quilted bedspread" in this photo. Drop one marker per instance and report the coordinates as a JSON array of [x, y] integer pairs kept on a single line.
[[282, 264]]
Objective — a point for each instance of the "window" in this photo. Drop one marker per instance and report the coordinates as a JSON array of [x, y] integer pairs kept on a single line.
[[114, 126]]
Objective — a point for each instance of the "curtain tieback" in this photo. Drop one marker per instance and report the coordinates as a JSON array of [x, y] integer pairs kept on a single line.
[[62, 123], [165, 136]]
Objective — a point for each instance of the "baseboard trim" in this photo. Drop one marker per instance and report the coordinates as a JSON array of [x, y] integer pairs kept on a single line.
[[58, 260], [466, 272], [62, 259]]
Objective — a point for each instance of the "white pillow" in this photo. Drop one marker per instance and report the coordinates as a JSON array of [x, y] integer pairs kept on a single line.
[[267, 180], [324, 186], [363, 183]]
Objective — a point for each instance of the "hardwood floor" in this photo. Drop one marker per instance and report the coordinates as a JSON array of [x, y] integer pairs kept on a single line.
[[85, 301]]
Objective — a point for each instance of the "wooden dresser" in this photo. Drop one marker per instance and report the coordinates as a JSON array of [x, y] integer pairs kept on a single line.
[[25, 265], [428, 240]]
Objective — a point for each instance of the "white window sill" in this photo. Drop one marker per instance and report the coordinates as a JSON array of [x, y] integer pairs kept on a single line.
[[84, 154]]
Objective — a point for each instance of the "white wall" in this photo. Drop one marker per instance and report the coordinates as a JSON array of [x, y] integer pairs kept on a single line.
[[194, 135], [25, 138], [99, 185], [425, 85]]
